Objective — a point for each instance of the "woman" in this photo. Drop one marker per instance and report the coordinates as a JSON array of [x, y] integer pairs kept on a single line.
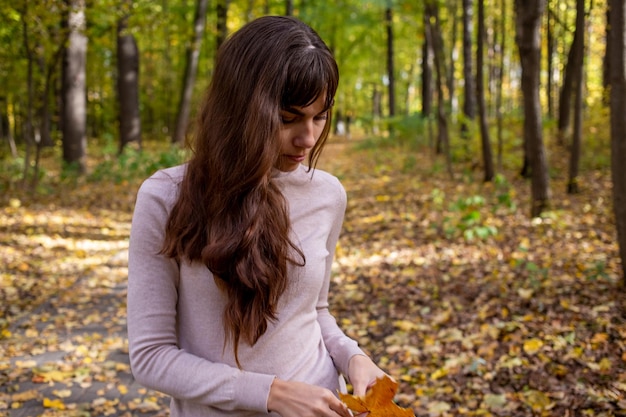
[[231, 253]]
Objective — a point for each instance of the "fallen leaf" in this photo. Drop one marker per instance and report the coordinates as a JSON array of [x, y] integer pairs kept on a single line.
[[56, 404], [378, 402], [533, 346]]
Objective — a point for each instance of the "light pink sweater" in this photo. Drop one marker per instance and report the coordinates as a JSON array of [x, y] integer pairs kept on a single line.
[[175, 333]]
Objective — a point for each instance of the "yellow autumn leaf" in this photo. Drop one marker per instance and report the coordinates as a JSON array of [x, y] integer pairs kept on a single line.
[[25, 364], [41, 375], [605, 364], [495, 401], [123, 389], [62, 393], [439, 373], [438, 407], [599, 338], [532, 346], [378, 402], [25, 395], [537, 400], [55, 404]]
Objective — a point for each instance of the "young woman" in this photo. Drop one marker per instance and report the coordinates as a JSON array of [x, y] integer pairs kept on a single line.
[[231, 253]]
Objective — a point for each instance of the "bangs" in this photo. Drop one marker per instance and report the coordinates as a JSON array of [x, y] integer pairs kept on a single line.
[[310, 74]]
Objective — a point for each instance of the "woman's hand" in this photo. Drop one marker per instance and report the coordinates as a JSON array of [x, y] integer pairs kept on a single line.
[[297, 399], [362, 373]]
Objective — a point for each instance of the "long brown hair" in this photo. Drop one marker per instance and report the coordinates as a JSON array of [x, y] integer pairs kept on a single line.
[[229, 214]]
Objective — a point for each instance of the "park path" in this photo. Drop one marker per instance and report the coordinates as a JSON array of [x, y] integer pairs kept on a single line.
[[71, 354]]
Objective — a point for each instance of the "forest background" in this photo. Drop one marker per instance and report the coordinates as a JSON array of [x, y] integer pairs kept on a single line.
[[480, 143]]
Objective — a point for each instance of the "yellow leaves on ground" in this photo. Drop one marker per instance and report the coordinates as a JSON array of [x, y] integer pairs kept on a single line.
[[56, 404], [378, 402], [533, 346], [45, 375]]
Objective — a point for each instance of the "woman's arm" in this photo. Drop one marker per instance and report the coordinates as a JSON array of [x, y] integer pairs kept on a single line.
[[156, 360], [349, 359]]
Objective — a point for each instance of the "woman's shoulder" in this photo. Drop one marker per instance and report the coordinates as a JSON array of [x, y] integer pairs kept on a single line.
[[164, 183], [166, 177], [324, 183], [319, 177]]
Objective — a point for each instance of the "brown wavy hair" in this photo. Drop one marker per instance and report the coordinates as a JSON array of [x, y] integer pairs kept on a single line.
[[230, 215]]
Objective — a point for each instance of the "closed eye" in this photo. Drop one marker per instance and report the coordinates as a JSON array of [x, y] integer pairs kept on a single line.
[[322, 116]]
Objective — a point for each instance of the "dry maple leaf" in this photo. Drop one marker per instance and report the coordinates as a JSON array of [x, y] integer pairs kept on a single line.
[[378, 402]]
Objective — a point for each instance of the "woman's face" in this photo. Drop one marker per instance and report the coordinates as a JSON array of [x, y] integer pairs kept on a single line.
[[302, 127]]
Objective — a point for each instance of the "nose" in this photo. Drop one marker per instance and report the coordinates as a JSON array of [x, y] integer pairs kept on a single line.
[[306, 135]]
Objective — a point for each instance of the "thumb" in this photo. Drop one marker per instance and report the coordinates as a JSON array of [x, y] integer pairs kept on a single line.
[[360, 388]]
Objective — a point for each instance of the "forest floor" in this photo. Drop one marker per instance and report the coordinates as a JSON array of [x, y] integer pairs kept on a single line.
[[476, 309]]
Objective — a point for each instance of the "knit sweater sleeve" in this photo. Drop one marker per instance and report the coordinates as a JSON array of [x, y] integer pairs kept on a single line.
[[156, 360], [340, 346]]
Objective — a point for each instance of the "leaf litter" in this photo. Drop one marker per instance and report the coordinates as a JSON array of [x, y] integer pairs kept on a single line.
[[472, 307]]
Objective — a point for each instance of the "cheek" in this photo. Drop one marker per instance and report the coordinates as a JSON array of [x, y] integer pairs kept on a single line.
[[320, 129], [284, 138]]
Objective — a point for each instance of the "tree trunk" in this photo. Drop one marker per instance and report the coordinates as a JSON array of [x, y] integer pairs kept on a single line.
[[528, 20], [442, 122], [606, 62], [579, 45], [5, 128], [500, 78], [222, 19], [128, 86], [74, 89], [480, 92], [377, 109], [469, 105], [427, 72], [29, 128], [288, 7], [618, 122], [191, 69], [569, 79], [390, 67], [454, 57], [550, 64]]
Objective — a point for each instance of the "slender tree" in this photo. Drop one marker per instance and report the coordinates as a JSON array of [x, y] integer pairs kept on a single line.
[[191, 69], [222, 19], [618, 121], [606, 62], [427, 71], [453, 54], [574, 61], [390, 56], [500, 81], [469, 104], [551, 42], [128, 85], [75, 88], [5, 128], [577, 73], [480, 95], [433, 26], [29, 134], [528, 22]]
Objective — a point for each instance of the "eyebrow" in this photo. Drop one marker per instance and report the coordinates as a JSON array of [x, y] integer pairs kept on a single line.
[[297, 112], [293, 110]]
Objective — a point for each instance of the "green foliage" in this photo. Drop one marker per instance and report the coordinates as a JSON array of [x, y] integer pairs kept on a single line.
[[135, 164], [408, 132], [467, 220], [504, 194], [11, 172]]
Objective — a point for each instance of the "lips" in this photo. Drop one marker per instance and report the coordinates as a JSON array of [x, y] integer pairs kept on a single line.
[[296, 158]]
